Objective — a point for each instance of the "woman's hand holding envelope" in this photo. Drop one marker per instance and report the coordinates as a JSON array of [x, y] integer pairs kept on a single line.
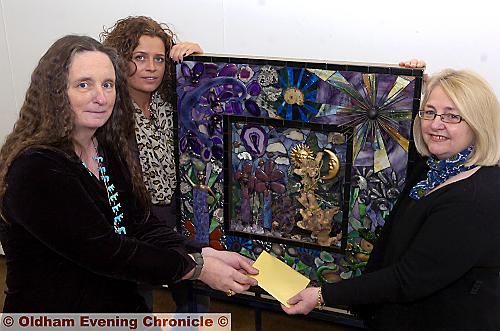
[[303, 302]]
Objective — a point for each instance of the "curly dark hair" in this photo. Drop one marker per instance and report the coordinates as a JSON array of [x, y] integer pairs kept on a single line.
[[47, 120], [124, 37]]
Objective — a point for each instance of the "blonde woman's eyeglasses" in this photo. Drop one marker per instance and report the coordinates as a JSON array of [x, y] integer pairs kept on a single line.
[[447, 118]]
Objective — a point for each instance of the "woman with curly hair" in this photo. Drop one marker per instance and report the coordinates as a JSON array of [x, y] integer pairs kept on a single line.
[[78, 234], [149, 49], [146, 46]]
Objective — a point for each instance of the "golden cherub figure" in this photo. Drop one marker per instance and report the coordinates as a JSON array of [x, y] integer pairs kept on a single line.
[[317, 220]]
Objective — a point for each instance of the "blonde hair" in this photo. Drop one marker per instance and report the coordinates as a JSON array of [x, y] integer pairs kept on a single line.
[[478, 106]]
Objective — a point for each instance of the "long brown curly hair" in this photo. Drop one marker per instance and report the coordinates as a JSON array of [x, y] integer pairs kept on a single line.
[[47, 120], [124, 37]]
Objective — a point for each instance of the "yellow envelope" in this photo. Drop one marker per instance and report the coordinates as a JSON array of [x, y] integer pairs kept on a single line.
[[277, 278]]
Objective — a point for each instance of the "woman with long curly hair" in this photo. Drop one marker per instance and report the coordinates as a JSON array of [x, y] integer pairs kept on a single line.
[[146, 46], [78, 233]]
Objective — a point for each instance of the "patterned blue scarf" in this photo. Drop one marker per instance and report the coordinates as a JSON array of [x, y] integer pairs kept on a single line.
[[440, 171]]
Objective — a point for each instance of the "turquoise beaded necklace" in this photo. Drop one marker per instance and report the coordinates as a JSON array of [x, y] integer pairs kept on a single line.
[[110, 190]]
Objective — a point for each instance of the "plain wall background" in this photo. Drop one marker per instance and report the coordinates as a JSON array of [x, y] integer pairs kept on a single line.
[[444, 33]]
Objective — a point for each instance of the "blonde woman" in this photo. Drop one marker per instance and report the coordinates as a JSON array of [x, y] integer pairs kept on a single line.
[[436, 265]]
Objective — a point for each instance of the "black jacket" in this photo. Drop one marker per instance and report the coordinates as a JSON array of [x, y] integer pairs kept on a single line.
[[62, 252], [436, 265]]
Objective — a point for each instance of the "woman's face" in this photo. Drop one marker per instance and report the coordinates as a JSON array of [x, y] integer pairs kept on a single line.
[[444, 139], [149, 59], [91, 90]]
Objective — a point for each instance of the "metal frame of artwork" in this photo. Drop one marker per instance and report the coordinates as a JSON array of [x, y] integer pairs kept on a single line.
[[301, 159]]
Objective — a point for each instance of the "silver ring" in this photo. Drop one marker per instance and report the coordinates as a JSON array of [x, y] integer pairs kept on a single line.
[[230, 293]]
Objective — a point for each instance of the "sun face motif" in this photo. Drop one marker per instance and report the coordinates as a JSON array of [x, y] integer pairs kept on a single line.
[[299, 153]]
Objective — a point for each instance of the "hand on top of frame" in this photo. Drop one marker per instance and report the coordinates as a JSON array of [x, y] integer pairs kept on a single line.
[[414, 63], [179, 51], [303, 302]]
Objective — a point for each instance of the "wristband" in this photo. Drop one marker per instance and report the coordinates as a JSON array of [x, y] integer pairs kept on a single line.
[[319, 304], [198, 259]]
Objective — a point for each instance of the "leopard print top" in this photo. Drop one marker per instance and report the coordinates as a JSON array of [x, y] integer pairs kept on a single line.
[[156, 149]]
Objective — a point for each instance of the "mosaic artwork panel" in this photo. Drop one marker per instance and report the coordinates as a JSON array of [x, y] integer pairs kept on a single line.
[[228, 107], [287, 183]]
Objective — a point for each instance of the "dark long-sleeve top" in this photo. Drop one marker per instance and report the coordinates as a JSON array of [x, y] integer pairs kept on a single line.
[[62, 252], [437, 262]]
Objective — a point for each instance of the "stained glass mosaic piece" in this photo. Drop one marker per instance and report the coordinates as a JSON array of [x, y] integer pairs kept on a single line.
[[302, 160]]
